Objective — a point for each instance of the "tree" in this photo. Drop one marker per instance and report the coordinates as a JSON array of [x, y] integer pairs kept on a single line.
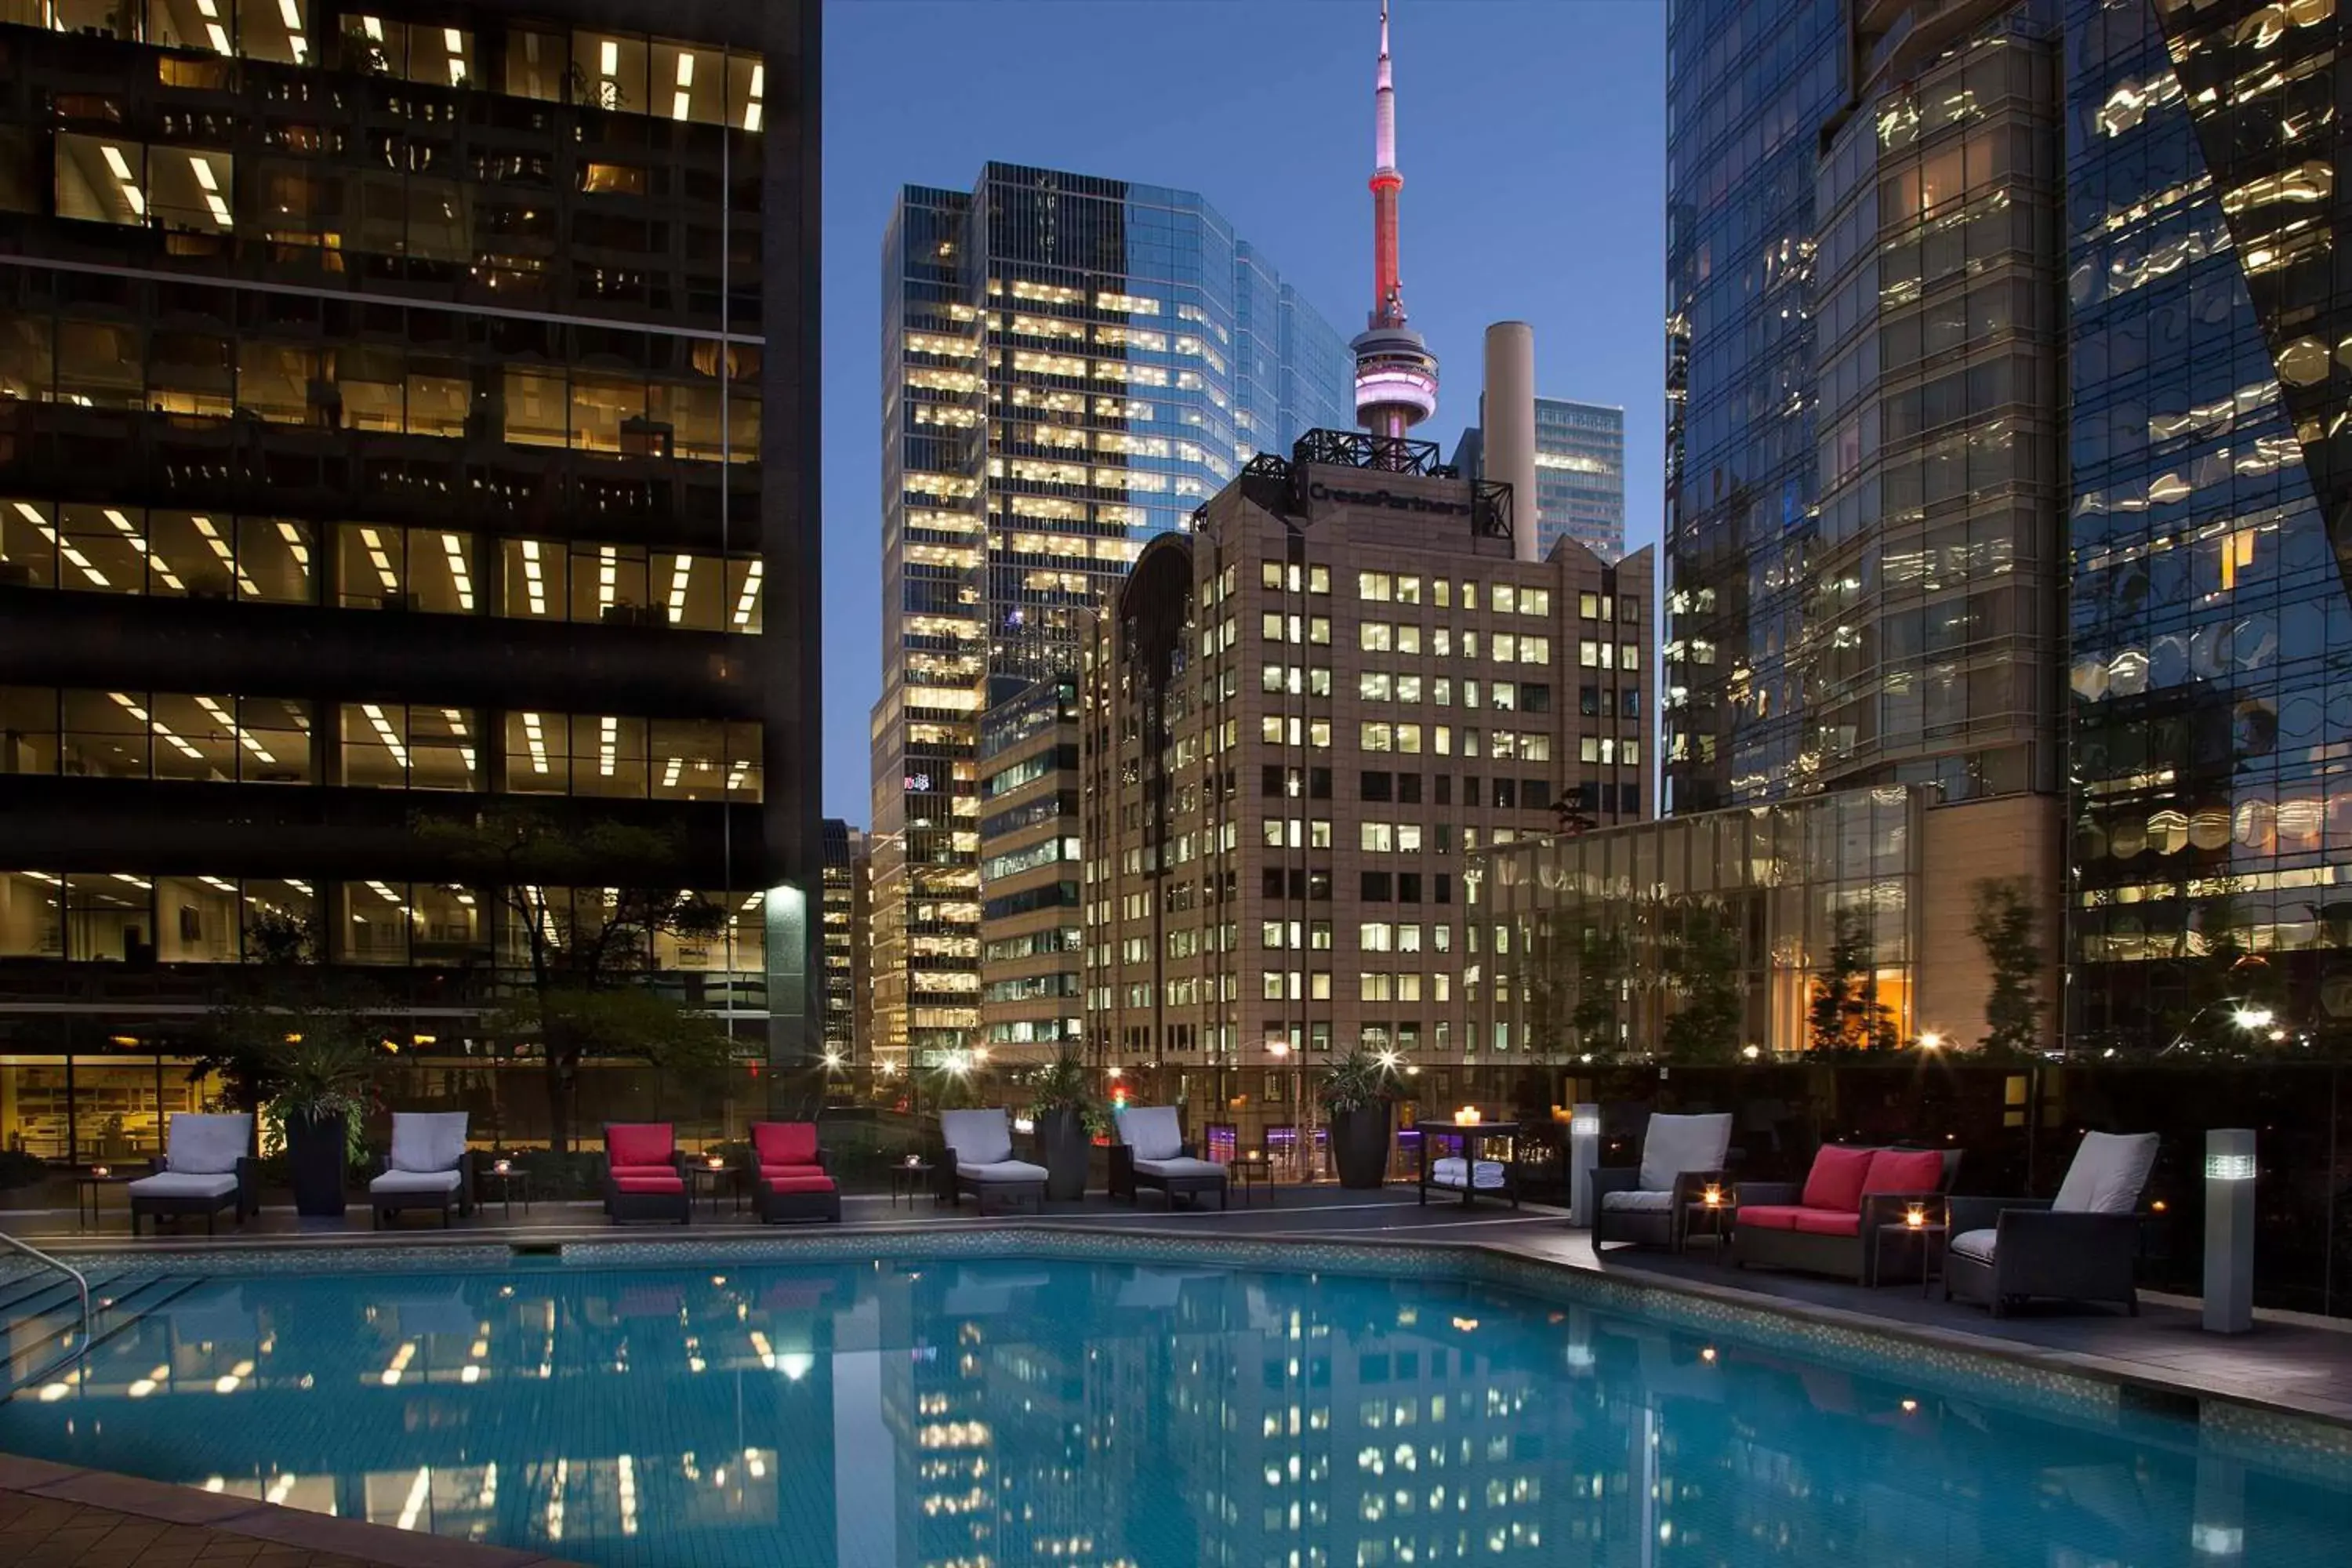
[[1602, 958], [587, 902], [2008, 927], [1846, 1014], [1705, 967]]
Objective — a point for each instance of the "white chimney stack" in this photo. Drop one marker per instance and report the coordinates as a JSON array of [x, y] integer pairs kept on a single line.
[[1509, 418]]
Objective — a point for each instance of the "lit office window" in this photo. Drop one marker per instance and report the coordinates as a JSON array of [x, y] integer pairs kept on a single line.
[[390, 568], [110, 916], [388, 746], [106, 179], [32, 915]]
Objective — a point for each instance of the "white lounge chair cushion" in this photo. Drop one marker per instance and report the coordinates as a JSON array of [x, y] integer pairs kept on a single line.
[[1181, 1166], [1677, 1144], [999, 1170], [1153, 1132], [207, 1145], [1975, 1244], [977, 1137], [1638, 1203], [183, 1184], [415, 1182], [427, 1142], [2108, 1172], [1454, 1172]]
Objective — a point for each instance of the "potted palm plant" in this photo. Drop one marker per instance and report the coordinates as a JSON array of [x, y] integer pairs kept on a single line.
[[1067, 1116], [319, 1075], [1355, 1098]]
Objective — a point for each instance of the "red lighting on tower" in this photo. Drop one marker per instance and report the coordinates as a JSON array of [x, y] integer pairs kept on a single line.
[[1396, 375]]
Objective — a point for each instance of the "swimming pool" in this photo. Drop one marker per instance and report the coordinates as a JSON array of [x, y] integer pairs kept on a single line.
[[951, 1410]]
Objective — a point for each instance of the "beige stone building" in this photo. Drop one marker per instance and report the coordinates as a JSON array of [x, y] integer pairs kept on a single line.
[[1301, 717]]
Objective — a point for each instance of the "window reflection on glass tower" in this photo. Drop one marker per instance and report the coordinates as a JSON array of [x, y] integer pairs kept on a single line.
[[1070, 366]]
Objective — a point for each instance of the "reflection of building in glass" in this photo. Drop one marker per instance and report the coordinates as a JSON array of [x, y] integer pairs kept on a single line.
[[1070, 366], [338, 486], [1586, 926], [1030, 928], [849, 1013], [1302, 717]]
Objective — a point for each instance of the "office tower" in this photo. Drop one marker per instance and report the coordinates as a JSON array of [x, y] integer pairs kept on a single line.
[[2208, 380], [1300, 718], [403, 414], [1579, 474], [1029, 925], [1071, 366], [847, 920]]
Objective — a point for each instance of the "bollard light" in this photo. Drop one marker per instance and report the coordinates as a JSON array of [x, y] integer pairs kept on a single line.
[[1583, 1157], [2229, 1230]]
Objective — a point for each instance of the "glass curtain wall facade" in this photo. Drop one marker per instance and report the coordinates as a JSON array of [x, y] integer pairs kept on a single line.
[[2211, 695], [1749, 83], [1070, 366], [1579, 477], [400, 415]]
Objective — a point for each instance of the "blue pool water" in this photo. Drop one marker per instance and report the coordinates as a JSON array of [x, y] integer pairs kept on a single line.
[[1014, 1411]]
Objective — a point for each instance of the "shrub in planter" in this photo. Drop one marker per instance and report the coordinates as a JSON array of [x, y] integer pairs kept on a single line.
[[321, 1073], [1067, 1116], [1355, 1096]]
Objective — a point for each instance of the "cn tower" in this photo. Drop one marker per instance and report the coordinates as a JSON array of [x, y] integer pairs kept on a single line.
[[1396, 375]]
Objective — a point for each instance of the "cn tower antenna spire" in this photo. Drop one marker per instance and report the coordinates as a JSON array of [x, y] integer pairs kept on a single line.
[[1396, 375]]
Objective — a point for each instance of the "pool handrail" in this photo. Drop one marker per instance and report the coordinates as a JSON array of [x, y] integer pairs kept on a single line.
[[82, 1285]]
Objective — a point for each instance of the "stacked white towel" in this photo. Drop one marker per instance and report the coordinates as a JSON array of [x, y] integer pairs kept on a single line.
[[1454, 1172]]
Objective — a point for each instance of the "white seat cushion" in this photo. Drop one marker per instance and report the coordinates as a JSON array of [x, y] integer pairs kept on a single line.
[[1153, 1132], [977, 1137], [415, 1182], [1677, 1144], [2108, 1172], [1638, 1203], [1181, 1166], [1000, 1171], [427, 1141], [207, 1145], [183, 1184], [1977, 1244]]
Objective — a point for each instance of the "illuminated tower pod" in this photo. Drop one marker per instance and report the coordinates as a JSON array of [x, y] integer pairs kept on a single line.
[[1396, 375]]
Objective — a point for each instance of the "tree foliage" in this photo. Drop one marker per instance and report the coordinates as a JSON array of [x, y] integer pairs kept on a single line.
[[2008, 926], [1707, 972], [1846, 1014], [588, 900]]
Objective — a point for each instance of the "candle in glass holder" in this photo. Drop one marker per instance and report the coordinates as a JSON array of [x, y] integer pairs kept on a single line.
[[717, 1161], [102, 1170], [914, 1160], [502, 1167], [1466, 1117], [1915, 1215], [1713, 1197]]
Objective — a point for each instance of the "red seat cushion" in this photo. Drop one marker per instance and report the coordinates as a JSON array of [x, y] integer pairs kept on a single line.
[[644, 1170], [639, 1143], [784, 1142], [1837, 1177], [648, 1182], [1770, 1216], [1905, 1171], [1827, 1221], [800, 1179]]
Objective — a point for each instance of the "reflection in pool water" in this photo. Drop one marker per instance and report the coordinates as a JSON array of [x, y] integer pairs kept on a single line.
[[997, 1413]]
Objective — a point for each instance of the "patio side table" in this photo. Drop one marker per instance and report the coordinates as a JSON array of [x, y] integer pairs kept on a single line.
[[511, 1182], [1249, 1171], [1713, 1221], [909, 1181], [701, 1174], [94, 1183], [1930, 1239]]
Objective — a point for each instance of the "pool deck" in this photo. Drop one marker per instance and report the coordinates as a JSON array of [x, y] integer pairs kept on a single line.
[[58, 1518]]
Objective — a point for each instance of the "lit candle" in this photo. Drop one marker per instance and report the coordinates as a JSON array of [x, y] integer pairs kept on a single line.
[[1714, 1195], [1466, 1117], [502, 1167], [717, 1161], [1915, 1215], [100, 1171]]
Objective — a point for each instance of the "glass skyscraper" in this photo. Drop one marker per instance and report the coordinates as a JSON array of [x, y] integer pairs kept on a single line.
[[1579, 477], [1071, 365]]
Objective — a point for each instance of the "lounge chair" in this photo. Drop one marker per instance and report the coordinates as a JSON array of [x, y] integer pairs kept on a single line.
[[427, 1168], [1152, 1153], [645, 1175], [2080, 1245], [1650, 1205], [979, 1160], [205, 1168], [791, 1174], [1832, 1224]]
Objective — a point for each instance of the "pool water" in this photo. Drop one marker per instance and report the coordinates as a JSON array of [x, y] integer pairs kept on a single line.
[[1013, 1411]]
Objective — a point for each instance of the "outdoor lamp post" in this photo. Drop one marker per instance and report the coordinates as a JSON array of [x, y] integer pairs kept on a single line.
[[1583, 1155], [2229, 1230]]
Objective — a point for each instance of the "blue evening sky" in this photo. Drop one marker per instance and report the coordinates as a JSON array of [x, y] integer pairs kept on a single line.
[[1531, 134]]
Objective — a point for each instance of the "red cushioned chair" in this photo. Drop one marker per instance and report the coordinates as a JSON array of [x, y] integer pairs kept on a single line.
[[1831, 1225], [791, 1173], [645, 1176]]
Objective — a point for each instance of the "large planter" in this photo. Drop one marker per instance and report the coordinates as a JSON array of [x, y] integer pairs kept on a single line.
[[314, 1158], [1063, 1148], [1360, 1145]]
